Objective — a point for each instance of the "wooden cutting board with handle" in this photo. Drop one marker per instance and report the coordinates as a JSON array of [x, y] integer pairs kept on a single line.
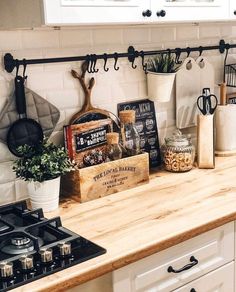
[[89, 112]]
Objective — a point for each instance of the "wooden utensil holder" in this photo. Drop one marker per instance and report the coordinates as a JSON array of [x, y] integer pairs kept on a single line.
[[205, 141], [107, 178]]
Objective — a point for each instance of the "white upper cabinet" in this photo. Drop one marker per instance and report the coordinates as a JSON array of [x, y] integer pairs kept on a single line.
[[233, 9], [92, 12], [190, 10], [67, 12], [96, 11]]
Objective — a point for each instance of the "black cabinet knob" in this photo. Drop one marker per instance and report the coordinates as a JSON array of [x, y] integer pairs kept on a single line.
[[234, 12], [147, 13], [161, 13]]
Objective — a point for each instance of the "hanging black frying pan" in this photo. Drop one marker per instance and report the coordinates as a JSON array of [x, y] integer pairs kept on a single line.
[[24, 130]]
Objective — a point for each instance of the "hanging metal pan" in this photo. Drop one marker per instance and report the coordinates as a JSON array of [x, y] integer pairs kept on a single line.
[[24, 130]]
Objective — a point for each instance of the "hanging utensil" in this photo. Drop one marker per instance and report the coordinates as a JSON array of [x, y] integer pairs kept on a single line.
[[89, 112], [207, 102], [24, 130]]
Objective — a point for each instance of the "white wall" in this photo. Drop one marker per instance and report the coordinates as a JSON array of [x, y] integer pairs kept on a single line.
[[55, 83]]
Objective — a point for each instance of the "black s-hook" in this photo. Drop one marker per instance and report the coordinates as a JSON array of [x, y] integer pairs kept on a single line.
[[177, 56], [188, 51], [144, 65], [105, 68], [115, 64], [88, 61], [94, 58]]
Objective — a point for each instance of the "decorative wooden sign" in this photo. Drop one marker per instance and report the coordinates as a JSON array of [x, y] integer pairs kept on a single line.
[[147, 127], [107, 178], [81, 138]]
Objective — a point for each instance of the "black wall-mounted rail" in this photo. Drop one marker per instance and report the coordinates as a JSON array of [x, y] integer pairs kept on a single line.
[[10, 63]]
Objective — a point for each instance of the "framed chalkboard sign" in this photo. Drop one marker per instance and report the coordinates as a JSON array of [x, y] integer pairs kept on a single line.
[[146, 125]]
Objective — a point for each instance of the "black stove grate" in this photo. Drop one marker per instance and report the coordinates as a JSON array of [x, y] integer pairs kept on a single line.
[[25, 232]]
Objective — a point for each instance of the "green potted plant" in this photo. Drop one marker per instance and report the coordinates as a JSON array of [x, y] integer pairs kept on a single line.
[[42, 166], [161, 71]]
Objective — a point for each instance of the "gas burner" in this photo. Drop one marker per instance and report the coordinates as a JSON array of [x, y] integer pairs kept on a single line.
[[19, 245], [32, 247], [19, 241]]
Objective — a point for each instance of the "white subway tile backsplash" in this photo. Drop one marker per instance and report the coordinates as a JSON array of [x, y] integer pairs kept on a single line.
[[10, 40], [136, 35], [6, 173], [75, 38], [45, 81], [55, 83], [21, 190], [107, 36], [185, 33], [162, 34], [64, 98], [40, 39], [8, 192], [209, 31]]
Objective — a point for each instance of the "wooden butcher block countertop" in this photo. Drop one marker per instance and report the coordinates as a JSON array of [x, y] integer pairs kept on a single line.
[[142, 221]]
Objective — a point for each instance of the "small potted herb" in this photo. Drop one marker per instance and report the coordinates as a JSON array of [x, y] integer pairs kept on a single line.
[[42, 166], [161, 72]]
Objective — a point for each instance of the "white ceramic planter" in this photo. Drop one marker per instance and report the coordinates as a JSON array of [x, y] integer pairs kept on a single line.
[[160, 86], [44, 195]]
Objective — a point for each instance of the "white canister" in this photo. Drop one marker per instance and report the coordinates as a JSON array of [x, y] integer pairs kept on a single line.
[[225, 127]]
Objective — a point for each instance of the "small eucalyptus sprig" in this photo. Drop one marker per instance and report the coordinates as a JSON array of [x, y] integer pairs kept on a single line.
[[42, 162], [163, 63]]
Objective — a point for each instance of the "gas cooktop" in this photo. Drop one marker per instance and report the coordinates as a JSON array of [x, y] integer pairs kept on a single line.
[[32, 247]]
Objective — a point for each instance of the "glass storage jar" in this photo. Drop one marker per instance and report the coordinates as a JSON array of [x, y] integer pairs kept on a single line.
[[129, 133], [178, 152], [113, 151]]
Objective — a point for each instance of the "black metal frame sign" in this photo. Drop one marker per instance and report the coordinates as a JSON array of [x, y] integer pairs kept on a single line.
[[146, 125]]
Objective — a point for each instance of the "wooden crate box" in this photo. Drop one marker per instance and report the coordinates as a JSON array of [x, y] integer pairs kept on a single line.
[[104, 179]]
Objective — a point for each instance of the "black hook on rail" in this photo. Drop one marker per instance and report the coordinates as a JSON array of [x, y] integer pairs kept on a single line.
[[144, 65], [177, 56], [94, 60], [115, 64], [88, 61], [105, 68], [188, 50]]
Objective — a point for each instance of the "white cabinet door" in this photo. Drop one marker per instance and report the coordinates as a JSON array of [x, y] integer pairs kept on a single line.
[[62, 12], [232, 10], [187, 10], [220, 280], [211, 250]]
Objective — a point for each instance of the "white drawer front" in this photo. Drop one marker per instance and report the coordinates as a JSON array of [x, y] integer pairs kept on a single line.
[[220, 280], [212, 250]]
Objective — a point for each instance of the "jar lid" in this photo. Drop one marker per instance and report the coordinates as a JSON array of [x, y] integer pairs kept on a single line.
[[112, 138], [178, 139], [127, 116]]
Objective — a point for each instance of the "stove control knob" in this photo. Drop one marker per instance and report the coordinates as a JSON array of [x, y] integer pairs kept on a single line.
[[65, 248], [27, 262], [6, 269], [46, 255]]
